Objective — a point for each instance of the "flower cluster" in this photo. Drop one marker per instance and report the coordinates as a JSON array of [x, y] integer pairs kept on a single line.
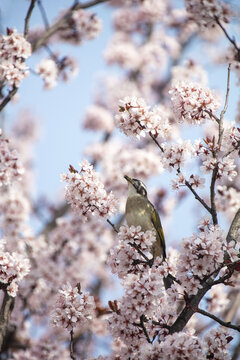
[[194, 180], [82, 25], [124, 257], [14, 50], [98, 118], [217, 344], [135, 118], [144, 285], [48, 71], [13, 268], [192, 103], [175, 156], [10, 168], [86, 194], [73, 308], [225, 165], [52, 69], [204, 12], [178, 346], [203, 253]]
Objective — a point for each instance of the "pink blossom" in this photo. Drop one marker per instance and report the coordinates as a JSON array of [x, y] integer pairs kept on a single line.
[[191, 102], [204, 12], [86, 194], [217, 344], [82, 25], [135, 119], [48, 70], [13, 268], [73, 308], [14, 50], [10, 166]]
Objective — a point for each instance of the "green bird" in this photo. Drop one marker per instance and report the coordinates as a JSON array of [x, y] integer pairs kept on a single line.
[[141, 212]]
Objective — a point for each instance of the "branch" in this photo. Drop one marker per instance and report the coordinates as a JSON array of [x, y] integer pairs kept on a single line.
[[220, 136], [27, 18], [112, 225], [8, 98], [221, 322], [232, 41], [55, 27], [73, 357], [198, 197], [142, 326], [5, 313]]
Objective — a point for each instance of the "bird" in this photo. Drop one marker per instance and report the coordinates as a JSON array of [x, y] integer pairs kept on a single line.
[[140, 211]]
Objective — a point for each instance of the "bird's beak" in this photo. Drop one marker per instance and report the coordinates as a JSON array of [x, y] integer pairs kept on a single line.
[[128, 178]]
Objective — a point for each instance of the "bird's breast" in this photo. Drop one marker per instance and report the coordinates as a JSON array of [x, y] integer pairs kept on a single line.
[[137, 213]]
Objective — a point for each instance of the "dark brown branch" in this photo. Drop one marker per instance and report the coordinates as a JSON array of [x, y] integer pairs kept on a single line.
[[5, 313], [221, 322], [55, 27], [232, 41], [112, 225], [73, 357], [27, 18], [8, 98], [197, 197], [142, 326], [156, 142]]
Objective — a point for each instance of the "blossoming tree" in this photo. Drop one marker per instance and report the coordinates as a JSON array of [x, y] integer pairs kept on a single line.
[[54, 282]]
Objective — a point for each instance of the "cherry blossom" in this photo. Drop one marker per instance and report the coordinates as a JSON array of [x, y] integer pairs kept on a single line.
[[136, 119], [14, 267], [204, 12], [14, 50], [192, 103], [10, 166], [73, 308], [82, 25], [48, 70], [86, 194]]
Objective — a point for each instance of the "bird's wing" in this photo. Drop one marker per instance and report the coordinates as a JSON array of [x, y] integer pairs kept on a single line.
[[158, 226]]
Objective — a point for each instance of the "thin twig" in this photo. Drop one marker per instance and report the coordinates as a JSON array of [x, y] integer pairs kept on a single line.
[[43, 13], [232, 41], [221, 322], [112, 225], [197, 197], [73, 357], [156, 142], [27, 18], [148, 261], [220, 137], [212, 115]]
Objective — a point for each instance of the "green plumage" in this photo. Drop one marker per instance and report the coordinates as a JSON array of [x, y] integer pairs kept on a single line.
[[140, 212]]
